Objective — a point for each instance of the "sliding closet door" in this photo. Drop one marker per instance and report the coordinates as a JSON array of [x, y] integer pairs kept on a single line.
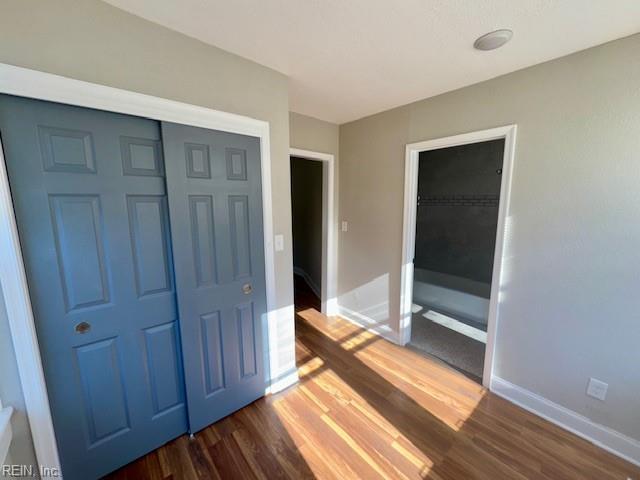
[[215, 204], [89, 195]]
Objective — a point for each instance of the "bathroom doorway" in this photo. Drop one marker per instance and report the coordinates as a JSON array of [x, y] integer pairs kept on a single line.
[[458, 220]]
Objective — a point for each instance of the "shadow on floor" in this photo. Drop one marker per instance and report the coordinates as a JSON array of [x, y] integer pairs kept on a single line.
[[430, 420], [366, 408]]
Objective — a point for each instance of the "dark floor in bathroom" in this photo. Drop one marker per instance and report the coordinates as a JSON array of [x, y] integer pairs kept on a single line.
[[463, 353]]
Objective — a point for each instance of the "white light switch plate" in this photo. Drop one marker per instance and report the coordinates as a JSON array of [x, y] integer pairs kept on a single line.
[[279, 241], [345, 226], [597, 389]]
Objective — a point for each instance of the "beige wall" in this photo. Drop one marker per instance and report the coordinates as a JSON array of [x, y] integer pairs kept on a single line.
[[569, 302], [90, 40], [308, 133]]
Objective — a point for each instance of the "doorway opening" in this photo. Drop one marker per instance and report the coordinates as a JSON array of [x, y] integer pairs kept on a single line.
[[313, 226], [456, 203]]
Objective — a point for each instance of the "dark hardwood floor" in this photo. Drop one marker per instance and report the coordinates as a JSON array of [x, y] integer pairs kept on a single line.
[[365, 408]]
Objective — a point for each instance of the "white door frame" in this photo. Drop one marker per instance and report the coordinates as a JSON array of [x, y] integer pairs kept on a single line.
[[412, 154], [328, 289], [45, 86]]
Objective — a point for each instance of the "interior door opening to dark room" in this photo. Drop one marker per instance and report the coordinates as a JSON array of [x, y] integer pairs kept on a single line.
[[456, 223]]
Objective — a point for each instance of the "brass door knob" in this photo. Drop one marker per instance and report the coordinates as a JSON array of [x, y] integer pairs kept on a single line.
[[82, 327], [247, 288]]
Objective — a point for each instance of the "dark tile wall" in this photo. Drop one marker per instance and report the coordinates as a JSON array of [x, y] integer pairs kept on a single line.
[[458, 195]]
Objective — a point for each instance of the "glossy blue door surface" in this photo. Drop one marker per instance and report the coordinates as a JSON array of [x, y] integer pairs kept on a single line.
[[215, 204], [90, 200]]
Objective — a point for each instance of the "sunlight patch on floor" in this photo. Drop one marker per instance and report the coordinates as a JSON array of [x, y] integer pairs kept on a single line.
[[331, 395], [457, 326], [349, 338], [310, 366], [360, 339], [300, 431], [302, 441]]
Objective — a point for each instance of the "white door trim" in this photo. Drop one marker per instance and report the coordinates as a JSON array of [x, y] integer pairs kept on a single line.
[[329, 287], [412, 153], [45, 86], [6, 432]]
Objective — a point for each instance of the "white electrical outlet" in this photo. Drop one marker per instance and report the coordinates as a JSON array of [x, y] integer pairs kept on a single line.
[[279, 243], [597, 389], [345, 226]]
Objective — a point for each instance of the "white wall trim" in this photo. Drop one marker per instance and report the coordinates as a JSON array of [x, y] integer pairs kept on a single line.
[[329, 287], [282, 383], [309, 281], [45, 86], [369, 324], [284, 343], [23, 334], [604, 437], [412, 153]]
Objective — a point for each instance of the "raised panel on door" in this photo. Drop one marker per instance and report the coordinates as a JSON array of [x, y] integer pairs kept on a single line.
[[103, 388], [164, 367], [201, 216], [149, 230], [212, 356], [90, 203], [215, 206], [240, 235], [79, 242], [247, 353], [66, 150]]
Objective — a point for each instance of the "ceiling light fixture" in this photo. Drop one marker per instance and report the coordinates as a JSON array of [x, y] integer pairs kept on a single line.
[[493, 40]]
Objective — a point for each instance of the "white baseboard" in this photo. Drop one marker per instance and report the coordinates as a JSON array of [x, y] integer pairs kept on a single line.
[[283, 383], [369, 324], [332, 307], [307, 278], [604, 437]]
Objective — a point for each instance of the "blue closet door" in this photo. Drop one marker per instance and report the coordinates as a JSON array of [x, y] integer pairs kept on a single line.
[[215, 205], [90, 200]]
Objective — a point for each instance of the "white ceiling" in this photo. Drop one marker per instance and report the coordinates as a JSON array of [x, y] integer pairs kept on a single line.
[[347, 59]]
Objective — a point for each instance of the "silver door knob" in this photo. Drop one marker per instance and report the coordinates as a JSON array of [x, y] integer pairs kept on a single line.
[[247, 288]]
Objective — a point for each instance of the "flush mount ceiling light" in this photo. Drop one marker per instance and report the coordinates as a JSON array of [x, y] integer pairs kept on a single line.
[[493, 40]]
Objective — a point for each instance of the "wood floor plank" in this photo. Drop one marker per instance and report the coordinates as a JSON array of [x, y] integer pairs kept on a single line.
[[366, 408], [229, 461], [200, 458]]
